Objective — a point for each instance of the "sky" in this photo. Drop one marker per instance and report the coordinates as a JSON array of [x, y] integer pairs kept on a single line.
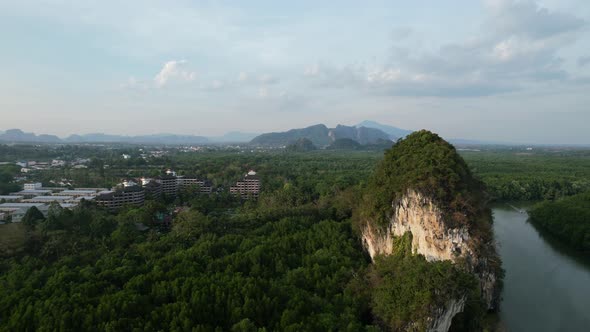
[[501, 70]]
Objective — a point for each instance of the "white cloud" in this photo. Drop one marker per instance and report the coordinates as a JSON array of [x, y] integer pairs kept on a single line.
[[174, 70], [518, 45]]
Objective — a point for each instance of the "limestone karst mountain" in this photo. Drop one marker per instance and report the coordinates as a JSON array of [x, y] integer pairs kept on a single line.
[[322, 136], [424, 192]]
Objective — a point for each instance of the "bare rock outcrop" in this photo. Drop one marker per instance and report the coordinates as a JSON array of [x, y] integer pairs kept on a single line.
[[433, 238]]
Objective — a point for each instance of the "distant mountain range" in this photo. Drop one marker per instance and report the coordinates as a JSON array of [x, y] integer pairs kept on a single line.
[[320, 135], [393, 131], [17, 135], [233, 137], [366, 132]]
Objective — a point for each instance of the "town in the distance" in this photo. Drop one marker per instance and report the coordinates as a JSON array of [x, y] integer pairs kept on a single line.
[[130, 192]]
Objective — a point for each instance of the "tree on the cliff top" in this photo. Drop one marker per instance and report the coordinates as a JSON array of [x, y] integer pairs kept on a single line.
[[427, 164]]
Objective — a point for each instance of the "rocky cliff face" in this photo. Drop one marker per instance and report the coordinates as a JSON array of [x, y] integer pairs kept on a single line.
[[443, 317], [436, 240]]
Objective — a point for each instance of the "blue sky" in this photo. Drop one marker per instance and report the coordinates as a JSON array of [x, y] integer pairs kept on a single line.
[[497, 70]]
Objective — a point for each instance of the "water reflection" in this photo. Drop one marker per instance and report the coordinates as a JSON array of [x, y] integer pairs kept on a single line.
[[547, 286]]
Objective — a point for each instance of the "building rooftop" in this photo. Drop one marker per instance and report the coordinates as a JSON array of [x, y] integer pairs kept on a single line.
[[68, 205], [48, 199], [78, 192], [19, 205], [86, 198], [10, 198], [108, 195], [31, 192], [166, 177], [93, 189], [251, 176]]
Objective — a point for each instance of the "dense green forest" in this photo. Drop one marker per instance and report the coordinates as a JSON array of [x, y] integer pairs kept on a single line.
[[286, 262], [289, 261], [541, 174], [283, 263], [567, 219], [7, 174], [288, 268], [510, 173]]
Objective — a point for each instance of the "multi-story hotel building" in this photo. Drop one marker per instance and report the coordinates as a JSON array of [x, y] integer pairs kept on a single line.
[[153, 189], [249, 187], [169, 184], [114, 200], [204, 186]]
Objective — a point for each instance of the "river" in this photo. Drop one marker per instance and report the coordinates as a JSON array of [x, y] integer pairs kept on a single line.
[[546, 287]]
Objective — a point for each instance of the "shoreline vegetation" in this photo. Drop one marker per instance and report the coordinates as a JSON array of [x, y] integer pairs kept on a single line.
[[567, 219]]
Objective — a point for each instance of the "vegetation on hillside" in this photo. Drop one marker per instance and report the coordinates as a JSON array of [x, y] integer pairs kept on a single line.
[[301, 145], [567, 219], [406, 290], [425, 163], [344, 144]]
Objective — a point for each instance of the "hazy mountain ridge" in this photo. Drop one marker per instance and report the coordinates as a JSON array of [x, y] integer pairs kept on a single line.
[[17, 135], [154, 139], [233, 137], [366, 133], [391, 130], [321, 135]]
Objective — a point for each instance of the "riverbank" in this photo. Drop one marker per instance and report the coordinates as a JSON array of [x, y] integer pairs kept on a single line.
[[567, 219], [545, 287]]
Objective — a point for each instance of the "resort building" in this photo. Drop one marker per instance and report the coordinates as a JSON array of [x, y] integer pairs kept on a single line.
[[205, 187], [78, 193], [153, 189], [169, 184], [114, 200], [249, 187]]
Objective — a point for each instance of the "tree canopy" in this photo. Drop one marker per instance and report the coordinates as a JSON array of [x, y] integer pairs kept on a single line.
[[427, 164], [567, 219]]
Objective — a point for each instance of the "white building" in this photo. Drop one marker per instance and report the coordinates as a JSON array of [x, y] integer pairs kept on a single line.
[[48, 199], [79, 192], [57, 163], [11, 198], [18, 210], [32, 186]]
